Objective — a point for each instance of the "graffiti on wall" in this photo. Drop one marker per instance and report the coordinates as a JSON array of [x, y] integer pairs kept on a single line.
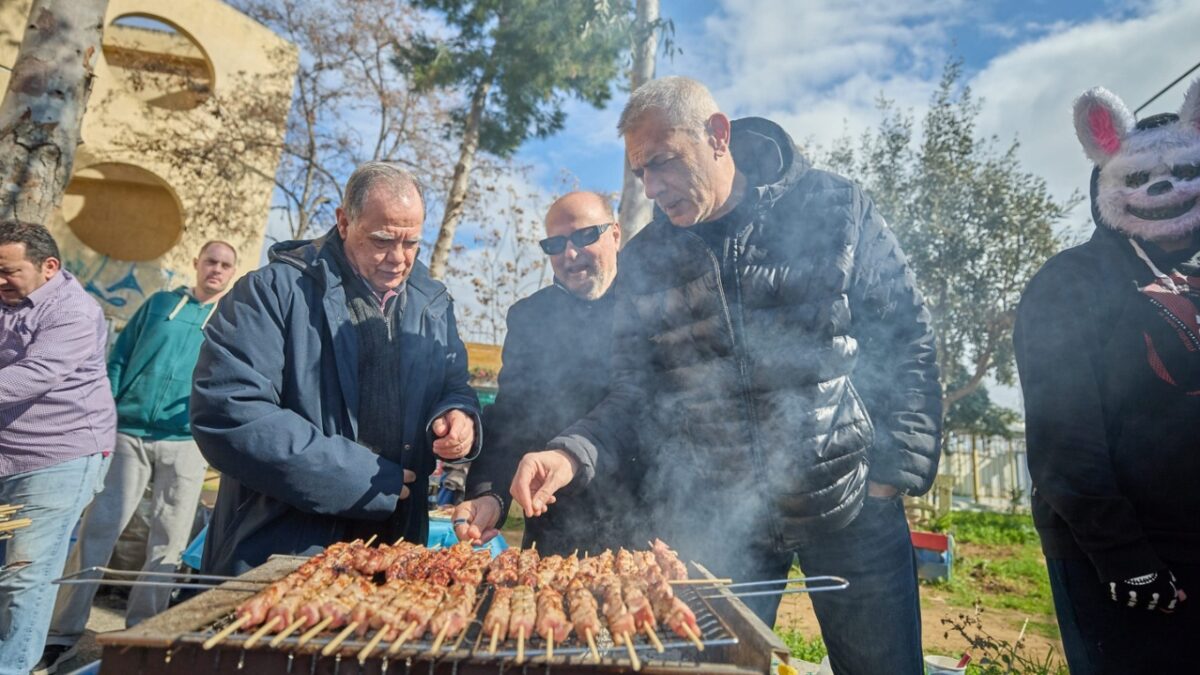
[[120, 286]]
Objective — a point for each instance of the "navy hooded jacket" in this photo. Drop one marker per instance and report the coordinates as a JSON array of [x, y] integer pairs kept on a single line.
[[274, 409]]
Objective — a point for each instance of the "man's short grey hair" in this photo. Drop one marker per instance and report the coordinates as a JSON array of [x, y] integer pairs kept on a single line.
[[687, 103], [371, 174]]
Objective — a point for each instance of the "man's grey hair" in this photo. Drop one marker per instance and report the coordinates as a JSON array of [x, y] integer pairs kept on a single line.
[[371, 174], [687, 103]]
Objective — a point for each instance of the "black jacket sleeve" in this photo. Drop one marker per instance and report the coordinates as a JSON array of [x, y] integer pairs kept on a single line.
[[1057, 347], [597, 440], [508, 433], [897, 372]]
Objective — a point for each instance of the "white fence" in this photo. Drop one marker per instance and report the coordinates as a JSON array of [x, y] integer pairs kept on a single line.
[[988, 470]]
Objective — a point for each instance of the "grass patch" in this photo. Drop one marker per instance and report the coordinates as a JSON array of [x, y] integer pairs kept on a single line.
[[802, 647], [998, 562], [996, 529]]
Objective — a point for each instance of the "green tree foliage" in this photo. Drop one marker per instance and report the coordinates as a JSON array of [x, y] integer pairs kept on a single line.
[[975, 225], [515, 62]]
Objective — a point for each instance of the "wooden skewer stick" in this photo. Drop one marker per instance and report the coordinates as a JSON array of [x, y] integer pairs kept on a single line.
[[366, 651], [395, 648], [292, 628], [312, 632], [371, 540], [226, 632], [341, 637], [591, 640], [698, 582], [495, 639], [11, 508], [550, 646], [658, 645], [521, 645], [261, 632], [398, 542], [633, 657], [441, 637], [16, 524], [691, 634]]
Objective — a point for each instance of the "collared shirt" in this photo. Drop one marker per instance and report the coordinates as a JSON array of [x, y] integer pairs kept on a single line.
[[55, 400]]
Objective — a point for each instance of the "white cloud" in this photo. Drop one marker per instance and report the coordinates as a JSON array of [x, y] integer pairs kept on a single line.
[[1028, 91], [817, 67]]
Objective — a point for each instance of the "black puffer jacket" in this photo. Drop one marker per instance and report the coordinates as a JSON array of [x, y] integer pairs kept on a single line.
[[767, 405]]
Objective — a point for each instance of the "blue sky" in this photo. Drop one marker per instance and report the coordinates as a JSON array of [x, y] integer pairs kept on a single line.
[[818, 66], [897, 48]]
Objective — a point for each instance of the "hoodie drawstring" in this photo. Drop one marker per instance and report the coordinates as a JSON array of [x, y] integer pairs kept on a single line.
[[182, 302], [1165, 279]]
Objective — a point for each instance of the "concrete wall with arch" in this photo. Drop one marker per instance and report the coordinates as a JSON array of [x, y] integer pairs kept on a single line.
[[128, 225]]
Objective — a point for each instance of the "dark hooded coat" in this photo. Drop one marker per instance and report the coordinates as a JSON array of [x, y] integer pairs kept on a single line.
[[775, 379], [1114, 448], [275, 406]]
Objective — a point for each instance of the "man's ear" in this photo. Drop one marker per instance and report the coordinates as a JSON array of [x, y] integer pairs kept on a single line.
[[616, 229], [343, 222], [719, 132], [49, 266]]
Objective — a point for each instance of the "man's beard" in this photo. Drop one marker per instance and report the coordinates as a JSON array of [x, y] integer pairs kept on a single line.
[[593, 286]]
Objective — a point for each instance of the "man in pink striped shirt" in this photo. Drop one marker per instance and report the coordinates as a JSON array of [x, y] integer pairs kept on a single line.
[[57, 426]]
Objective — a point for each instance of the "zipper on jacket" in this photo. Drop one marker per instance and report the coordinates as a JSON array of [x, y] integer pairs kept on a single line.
[[739, 347], [739, 359]]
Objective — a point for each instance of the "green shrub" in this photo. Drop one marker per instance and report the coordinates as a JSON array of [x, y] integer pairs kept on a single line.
[[803, 648]]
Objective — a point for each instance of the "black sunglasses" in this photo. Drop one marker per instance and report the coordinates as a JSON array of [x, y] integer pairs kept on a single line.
[[583, 237]]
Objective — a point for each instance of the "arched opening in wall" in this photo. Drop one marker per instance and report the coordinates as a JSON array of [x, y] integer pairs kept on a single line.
[[157, 63], [122, 211]]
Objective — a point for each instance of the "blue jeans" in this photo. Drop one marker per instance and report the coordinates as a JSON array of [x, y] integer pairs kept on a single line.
[[54, 498], [874, 625]]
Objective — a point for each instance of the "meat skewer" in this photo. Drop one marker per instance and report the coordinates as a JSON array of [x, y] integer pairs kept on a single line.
[[495, 623], [584, 614], [454, 615], [522, 616], [503, 570], [552, 623]]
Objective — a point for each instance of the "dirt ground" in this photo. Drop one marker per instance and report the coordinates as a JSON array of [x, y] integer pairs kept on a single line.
[[796, 613]]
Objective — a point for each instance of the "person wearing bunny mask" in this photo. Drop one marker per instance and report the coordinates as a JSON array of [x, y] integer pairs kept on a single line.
[[1107, 342]]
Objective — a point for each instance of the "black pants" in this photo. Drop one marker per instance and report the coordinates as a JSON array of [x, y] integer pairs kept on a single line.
[[1101, 636]]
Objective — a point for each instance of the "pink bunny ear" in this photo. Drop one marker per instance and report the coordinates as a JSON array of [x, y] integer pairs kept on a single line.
[[1101, 122], [1189, 114]]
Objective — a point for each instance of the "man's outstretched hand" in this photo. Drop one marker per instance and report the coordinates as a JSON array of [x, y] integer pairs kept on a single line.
[[475, 520], [539, 476], [455, 432]]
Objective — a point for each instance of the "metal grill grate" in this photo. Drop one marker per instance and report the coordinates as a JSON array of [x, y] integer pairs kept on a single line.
[[472, 644]]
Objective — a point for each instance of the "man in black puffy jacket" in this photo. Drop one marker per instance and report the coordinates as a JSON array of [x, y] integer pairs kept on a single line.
[[770, 345]]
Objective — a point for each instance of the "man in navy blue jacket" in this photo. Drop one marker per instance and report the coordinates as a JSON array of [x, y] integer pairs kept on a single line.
[[327, 379]]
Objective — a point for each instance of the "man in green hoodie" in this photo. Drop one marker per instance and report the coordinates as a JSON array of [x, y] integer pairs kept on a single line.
[[150, 368]]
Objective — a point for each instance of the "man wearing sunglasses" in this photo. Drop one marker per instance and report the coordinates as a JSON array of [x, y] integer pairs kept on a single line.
[[771, 347], [556, 368]]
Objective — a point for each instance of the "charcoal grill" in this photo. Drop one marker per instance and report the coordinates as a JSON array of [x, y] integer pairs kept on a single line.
[[735, 642]]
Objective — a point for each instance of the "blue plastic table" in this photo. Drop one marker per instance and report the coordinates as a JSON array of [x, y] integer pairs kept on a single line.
[[440, 534]]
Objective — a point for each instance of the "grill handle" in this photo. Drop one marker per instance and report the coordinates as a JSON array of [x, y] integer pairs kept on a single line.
[[828, 583], [78, 578]]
